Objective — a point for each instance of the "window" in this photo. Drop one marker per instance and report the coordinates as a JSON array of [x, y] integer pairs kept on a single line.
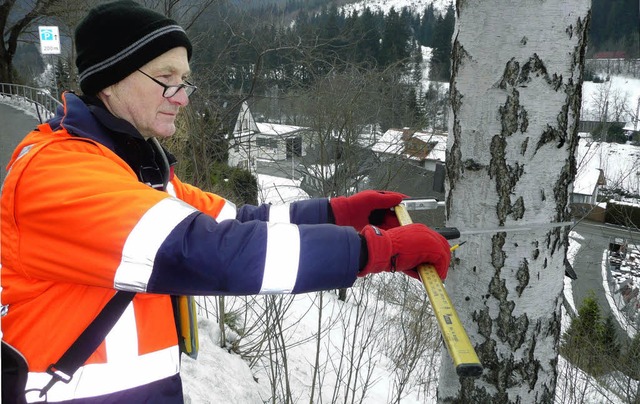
[[267, 142]]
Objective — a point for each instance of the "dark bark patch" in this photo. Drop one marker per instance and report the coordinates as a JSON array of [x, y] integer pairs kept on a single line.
[[522, 275], [472, 165], [517, 210], [523, 146]]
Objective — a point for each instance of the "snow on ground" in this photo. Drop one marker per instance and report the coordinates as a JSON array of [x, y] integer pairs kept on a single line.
[[618, 88], [416, 6], [278, 190], [619, 162], [25, 106], [574, 246], [221, 376], [621, 269]]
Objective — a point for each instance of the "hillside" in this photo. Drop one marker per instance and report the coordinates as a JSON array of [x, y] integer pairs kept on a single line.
[[416, 6]]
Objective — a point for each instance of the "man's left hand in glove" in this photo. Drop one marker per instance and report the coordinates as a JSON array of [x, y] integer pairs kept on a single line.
[[367, 207]]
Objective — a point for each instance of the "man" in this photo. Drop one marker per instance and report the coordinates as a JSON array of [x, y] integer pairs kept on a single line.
[[90, 207]]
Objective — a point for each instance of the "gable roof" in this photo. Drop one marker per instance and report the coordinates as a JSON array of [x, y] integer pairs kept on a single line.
[[413, 144]]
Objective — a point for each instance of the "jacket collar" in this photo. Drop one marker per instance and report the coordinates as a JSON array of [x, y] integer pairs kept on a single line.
[[89, 118]]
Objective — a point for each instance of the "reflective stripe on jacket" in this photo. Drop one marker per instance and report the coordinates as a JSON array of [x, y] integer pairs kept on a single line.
[[77, 225]]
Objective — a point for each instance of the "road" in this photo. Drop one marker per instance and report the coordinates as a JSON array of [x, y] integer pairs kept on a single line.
[[15, 125], [588, 260]]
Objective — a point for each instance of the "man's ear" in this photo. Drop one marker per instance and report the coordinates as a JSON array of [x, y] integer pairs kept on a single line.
[[106, 92]]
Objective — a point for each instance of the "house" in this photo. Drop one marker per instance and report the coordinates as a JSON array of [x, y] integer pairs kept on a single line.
[[425, 149], [614, 62], [412, 162], [252, 142], [585, 126], [586, 186], [610, 55]]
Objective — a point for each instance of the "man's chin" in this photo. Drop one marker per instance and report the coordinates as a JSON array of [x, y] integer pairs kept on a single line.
[[165, 131]]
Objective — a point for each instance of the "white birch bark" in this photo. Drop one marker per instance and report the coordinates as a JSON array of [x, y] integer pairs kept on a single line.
[[516, 94]]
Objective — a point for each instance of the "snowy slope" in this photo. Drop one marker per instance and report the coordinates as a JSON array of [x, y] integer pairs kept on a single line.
[[417, 6]]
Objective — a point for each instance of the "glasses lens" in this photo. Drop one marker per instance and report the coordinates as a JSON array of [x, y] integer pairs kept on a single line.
[[170, 91], [189, 88]]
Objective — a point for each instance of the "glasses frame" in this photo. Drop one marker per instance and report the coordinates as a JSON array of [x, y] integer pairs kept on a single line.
[[188, 87]]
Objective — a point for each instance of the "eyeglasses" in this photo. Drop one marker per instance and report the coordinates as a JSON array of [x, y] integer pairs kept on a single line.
[[170, 91]]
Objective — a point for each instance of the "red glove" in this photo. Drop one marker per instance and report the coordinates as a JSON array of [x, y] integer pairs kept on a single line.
[[404, 248], [367, 207]]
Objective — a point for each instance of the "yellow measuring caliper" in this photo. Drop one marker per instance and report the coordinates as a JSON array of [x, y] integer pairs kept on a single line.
[[455, 337]]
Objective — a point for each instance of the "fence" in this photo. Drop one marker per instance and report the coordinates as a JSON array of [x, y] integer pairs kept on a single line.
[[37, 99]]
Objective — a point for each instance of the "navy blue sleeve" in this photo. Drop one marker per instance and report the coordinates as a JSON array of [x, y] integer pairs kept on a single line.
[[203, 257], [309, 211], [250, 212]]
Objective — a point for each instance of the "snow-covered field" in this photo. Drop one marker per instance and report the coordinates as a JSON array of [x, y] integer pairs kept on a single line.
[[622, 94], [416, 6]]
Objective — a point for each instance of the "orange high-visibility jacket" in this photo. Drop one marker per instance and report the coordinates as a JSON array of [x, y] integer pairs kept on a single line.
[[79, 223]]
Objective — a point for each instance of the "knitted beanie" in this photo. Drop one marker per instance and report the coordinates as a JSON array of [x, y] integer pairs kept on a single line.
[[116, 39]]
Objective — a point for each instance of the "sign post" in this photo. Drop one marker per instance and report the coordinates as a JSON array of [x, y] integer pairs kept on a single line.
[[49, 40], [50, 45]]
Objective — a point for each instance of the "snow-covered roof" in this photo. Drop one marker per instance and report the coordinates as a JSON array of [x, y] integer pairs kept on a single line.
[[586, 181], [392, 142], [440, 149], [274, 129]]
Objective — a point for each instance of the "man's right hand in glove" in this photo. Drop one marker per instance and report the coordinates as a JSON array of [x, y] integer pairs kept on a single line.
[[404, 248]]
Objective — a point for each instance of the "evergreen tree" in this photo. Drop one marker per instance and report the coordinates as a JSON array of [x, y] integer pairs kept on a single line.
[[590, 341], [427, 24], [631, 358], [614, 26], [62, 76], [441, 59], [394, 47], [367, 38], [609, 345]]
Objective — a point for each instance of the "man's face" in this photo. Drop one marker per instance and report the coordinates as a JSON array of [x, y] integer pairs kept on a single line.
[[139, 100]]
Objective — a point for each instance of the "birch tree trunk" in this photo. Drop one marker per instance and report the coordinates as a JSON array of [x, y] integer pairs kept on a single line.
[[516, 93]]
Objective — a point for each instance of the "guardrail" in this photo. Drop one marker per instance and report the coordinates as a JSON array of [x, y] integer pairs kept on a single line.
[[37, 99]]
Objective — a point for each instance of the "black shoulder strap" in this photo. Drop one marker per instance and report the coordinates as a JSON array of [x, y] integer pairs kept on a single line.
[[14, 375], [89, 340]]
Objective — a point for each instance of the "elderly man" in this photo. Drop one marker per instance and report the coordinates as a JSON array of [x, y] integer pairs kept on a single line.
[[95, 225]]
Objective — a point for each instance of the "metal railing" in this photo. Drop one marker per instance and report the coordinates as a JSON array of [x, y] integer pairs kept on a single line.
[[39, 100]]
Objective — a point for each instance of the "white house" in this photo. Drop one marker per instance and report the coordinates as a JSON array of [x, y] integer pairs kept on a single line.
[[251, 141], [586, 186]]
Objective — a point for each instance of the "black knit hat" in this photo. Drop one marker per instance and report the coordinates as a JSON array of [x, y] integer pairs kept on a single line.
[[116, 39]]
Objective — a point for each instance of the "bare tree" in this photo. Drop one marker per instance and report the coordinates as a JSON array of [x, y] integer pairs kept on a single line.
[[18, 20], [515, 94], [185, 12]]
